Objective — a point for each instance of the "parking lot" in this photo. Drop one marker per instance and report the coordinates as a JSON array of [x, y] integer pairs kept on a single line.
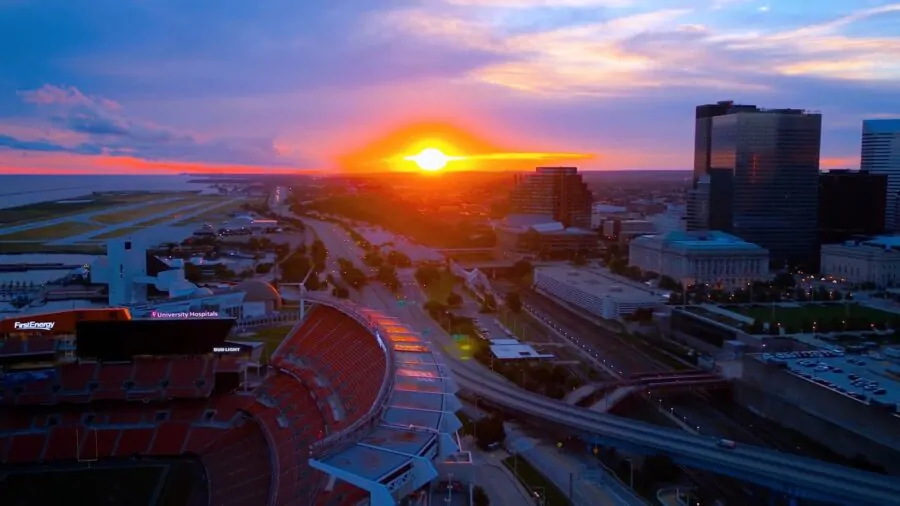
[[863, 378]]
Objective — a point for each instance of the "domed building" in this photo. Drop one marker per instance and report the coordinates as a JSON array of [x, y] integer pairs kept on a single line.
[[260, 297]]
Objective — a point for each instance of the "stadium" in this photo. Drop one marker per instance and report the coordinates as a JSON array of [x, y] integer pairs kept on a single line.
[[351, 409]]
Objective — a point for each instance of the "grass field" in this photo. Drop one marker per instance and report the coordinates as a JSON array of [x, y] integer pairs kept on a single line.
[[272, 337], [442, 289], [56, 209], [129, 485], [122, 232], [808, 313], [50, 232], [218, 214], [12, 248], [116, 217], [535, 481]]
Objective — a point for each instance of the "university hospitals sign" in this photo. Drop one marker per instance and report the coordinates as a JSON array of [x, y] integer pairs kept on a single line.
[[32, 325], [183, 315]]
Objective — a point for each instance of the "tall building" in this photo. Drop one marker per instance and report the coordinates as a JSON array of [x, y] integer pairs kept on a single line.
[[852, 204], [881, 155], [764, 172], [553, 191], [698, 215]]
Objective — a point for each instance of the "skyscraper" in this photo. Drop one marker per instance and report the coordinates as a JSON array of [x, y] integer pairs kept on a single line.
[[851, 204], [880, 154], [764, 171], [700, 216], [553, 191]]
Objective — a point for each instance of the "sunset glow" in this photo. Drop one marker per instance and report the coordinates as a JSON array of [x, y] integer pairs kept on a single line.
[[430, 159]]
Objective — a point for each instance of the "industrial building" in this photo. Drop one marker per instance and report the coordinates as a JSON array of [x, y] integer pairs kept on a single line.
[[713, 258], [875, 261], [558, 192], [596, 293], [541, 237]]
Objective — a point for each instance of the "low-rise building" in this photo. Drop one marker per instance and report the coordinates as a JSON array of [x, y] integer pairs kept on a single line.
[[625, 230], [602, 212], [604, 296], [874, 261], [713, 258], [541, 237]]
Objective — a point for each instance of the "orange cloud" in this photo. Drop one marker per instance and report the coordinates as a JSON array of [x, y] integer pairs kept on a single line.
[[36, 163]]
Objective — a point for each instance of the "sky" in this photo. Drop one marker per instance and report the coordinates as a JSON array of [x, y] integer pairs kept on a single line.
[[281, 85]]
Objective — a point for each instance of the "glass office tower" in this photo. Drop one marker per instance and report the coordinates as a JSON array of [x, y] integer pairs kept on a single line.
[[767, 164]]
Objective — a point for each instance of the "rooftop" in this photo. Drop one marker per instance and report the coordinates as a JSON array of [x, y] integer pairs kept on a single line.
[[598, 284], [699, 240], [848, 375], [516, 352]]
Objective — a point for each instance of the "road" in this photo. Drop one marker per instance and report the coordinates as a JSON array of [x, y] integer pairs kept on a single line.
[[766, 467]]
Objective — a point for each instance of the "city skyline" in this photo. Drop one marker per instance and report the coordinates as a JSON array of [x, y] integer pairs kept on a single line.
[[283, 86]]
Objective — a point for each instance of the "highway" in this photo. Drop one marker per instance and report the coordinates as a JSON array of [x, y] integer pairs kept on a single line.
[[800, 476]]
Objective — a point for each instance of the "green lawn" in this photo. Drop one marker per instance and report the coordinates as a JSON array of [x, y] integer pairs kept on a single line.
[[50, 232], [440, 290], [38, 247], [272, 337], [220, 213], [808, 313], [535, 481], [116, 217], [43, 211], [118, 233]]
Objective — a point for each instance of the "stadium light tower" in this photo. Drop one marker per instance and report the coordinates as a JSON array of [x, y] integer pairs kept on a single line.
[[303, 295]]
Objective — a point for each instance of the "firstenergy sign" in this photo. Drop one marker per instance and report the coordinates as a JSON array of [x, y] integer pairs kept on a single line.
[[34, 325]]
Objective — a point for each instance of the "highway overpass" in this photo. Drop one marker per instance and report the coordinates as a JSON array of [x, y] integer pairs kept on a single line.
[[796, 476]]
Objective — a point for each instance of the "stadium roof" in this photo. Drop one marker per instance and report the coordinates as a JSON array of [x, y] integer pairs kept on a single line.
[[516, 352]]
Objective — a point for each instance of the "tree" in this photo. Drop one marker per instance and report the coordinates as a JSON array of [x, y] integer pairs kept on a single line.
[[454, 300], [667, 283], [398, 259], [489, 431], [373, 259], [192, 273], [312, 282], [514, 302], [784, 280], [521, 269], [388, 276], [340, 292], [489, 304], [427, 274], [318, 252], [480, 497], [263, 268], [294, 268]]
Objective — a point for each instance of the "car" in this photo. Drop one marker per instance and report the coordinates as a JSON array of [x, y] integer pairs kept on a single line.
[[726, 443]]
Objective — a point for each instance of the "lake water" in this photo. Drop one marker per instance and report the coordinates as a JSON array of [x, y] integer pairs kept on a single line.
[[20, 190]]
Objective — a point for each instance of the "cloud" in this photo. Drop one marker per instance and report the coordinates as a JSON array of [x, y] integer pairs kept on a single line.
[[111, 133]]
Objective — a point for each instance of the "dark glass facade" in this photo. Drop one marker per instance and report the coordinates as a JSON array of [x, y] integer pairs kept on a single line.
[[768, 161], [703, 215], [852, 204]]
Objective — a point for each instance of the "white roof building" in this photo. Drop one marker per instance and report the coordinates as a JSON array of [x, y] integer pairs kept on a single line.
[[873, 261], [708, 257], [601, 295]]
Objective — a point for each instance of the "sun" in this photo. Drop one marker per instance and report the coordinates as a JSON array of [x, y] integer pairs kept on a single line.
[[430, 159]]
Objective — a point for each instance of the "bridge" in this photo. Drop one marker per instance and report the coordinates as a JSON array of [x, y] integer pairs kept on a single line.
[[793, 475], [654, 381]]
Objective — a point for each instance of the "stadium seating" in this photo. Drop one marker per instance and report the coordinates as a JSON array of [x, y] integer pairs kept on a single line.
[[239, 468], [356, 376], [291, 421]]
